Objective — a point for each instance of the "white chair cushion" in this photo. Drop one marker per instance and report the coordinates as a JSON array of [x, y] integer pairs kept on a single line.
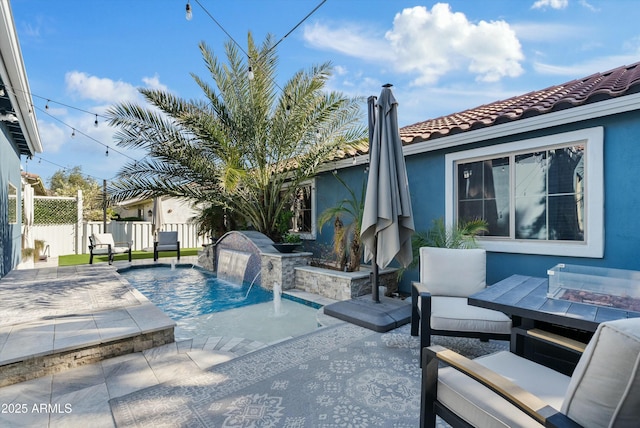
[[168, 247], [605, 386], [103, 239], [483, 408], [454, 314], [453, 272]]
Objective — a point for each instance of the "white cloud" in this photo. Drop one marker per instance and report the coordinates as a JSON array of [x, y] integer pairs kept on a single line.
[[547, 31], [587, 68], [433, 43], [589, 6], [429, 44], [350, 40], [553, 4], [51, 135], [154, 83], [99, 88]]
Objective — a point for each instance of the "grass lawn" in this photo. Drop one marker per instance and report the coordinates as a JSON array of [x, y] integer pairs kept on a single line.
[[83, 259]]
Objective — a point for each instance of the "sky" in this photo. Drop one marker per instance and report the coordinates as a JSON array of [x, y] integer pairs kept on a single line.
[[81, 57]]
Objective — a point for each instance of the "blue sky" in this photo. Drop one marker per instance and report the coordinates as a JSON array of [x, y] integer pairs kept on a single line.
[[442, 58]]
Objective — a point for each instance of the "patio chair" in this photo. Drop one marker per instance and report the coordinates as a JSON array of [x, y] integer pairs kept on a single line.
[[167, 241], [103, 244], [503, 389], [439, 301]]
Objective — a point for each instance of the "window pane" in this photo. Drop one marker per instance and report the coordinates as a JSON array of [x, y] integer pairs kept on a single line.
[[483, 192], [531, 174], [565, 218], [531, 217], [301, 220]]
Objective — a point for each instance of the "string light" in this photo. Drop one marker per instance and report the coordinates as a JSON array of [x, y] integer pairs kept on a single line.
[[46, 107], [73, 133], [189, 14], [2, 92], [250, 73], [107, 152], [95, 123]]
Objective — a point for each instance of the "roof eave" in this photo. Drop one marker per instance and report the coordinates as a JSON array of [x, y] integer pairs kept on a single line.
[[548, 120], [14, 75]]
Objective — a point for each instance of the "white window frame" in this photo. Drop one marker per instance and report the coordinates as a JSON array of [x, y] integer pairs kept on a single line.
[[311, 182], [593, 244]]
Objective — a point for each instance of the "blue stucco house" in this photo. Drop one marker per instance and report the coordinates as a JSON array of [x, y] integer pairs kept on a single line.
[[18, 137], [551, 171]]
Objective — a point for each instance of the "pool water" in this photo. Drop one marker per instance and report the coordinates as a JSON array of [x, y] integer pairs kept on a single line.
[[190, 292], [204, 306]]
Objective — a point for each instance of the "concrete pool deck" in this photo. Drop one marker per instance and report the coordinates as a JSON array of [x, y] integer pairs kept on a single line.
[[57, 318]]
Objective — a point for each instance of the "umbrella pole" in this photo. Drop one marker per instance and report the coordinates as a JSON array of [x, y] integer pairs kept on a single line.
[[374, 272]]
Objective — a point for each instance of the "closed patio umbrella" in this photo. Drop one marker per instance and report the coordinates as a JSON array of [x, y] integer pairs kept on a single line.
[[387, 221], [157, 220]]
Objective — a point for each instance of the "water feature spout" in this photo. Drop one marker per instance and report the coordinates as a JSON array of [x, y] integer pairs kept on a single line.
[[251, 285], [232, 265], [277, 298]]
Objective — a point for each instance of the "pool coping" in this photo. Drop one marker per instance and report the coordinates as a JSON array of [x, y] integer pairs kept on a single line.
[[56, 330]]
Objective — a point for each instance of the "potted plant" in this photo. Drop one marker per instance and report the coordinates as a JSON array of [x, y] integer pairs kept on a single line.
[[290, 241]]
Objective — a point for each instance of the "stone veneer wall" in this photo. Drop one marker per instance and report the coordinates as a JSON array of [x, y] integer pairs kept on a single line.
[[31, 368], [340, 285], [281, 268]]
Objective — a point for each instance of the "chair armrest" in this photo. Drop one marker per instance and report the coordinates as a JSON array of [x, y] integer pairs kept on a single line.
[[420, 288], [519, 397], [99, 245], [126, 244], [557, 339]]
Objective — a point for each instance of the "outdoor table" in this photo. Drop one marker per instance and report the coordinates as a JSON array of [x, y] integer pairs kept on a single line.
[[540, 323]]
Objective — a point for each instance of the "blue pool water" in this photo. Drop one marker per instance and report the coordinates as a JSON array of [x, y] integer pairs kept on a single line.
[[190, 292]]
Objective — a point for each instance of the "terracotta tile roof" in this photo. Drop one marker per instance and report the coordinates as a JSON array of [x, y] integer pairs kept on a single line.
[[620, 81]]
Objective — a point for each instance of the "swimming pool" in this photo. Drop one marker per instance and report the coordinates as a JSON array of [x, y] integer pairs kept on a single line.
[[203, 305], [186, 292]]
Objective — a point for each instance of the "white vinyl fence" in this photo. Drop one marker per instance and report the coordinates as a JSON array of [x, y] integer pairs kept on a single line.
[[61, 238], [54, 224]]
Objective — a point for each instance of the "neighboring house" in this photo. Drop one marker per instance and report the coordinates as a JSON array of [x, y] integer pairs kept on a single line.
[[174, 210], [34, 181], [18, 137], [552, 172]]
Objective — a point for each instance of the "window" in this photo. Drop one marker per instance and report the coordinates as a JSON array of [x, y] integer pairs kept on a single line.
[[539, 196], [13, 204], [303, 221]]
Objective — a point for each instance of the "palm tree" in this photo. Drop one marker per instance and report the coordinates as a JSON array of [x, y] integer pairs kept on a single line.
[[346, 237], [247, 147]]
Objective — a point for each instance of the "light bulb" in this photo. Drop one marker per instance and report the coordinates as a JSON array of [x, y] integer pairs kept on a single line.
[[96, 122], [2, 92], [73, 133], [46, 107], [250, 73], [189, 15], [107, 152]]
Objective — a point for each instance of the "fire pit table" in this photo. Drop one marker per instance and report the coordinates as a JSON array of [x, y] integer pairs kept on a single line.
[[548, 330]]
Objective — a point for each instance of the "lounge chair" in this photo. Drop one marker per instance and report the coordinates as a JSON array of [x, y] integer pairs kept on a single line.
[[439, 301], [504, 390], [103, 244], [167, 241]]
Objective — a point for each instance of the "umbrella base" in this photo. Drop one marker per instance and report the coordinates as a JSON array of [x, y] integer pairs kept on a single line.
[[363, 311]]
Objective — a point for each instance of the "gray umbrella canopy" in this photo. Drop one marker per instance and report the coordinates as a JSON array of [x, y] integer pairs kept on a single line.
[[387, 221], [157, 221]]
